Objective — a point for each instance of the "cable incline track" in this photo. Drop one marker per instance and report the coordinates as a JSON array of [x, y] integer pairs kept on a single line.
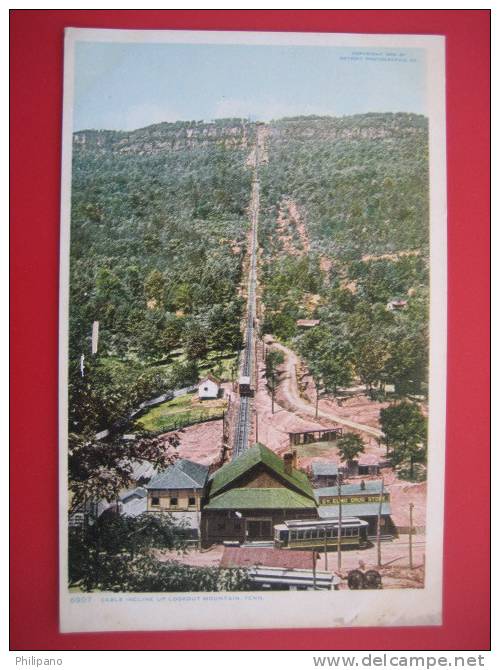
[[243, 420]]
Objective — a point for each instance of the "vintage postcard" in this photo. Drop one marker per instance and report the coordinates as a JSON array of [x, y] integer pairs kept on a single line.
[[253, 330]]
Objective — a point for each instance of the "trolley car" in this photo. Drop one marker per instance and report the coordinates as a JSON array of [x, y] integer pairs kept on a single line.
[[316, 534]]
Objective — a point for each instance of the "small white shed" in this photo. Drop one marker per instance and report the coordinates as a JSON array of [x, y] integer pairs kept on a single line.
[[208, 387]]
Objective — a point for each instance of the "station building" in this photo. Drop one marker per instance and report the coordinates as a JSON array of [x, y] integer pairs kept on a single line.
[[248, 496]]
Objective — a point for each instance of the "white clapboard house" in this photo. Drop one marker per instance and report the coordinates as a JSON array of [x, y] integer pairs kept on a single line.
[[208, 387]]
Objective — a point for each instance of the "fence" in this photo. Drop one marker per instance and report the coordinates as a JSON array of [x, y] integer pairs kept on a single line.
[[189, 420], [168, 395]]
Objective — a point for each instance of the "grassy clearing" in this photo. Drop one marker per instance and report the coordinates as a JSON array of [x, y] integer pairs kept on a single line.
[[223, 368], [180, 412], [316, 449]]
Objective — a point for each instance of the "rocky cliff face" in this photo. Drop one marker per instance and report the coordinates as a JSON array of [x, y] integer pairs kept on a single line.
[[162, 137], [357, 127]]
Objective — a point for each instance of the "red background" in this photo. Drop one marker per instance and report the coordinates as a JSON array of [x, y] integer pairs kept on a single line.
[[36, 111]]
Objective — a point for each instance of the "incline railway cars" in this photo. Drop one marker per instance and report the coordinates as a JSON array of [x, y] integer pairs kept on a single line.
[[314, 534], [244, 387]]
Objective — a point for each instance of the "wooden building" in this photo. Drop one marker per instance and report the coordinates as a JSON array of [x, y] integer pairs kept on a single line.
[[179, 490], [251, 494], [396, 305], [368, 465], [208, 388], [324, 473], [312, 435]]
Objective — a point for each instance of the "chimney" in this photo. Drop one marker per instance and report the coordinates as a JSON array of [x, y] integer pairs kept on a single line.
[[287, 460], [294, 458]]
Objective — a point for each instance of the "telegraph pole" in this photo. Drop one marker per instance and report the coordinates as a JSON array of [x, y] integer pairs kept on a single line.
[[410, 544], [379, 553], [339, 529]]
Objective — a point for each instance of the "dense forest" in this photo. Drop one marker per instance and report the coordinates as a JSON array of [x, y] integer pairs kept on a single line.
[[158, 237], [345, 234], [363, 180], [157, 240]]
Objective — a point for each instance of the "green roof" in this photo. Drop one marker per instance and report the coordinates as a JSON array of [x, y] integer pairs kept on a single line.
[[275, 498], [230, 472]]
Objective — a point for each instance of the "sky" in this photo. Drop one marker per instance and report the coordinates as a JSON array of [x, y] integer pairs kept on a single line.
[[124, 86]]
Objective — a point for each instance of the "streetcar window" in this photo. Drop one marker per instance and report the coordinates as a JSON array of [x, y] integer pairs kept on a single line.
[[321, 533], [314, 534]]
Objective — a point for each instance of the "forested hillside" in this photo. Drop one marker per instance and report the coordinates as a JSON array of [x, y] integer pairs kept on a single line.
[[157, 240], [362, 180], [158, 236], [345, 215]]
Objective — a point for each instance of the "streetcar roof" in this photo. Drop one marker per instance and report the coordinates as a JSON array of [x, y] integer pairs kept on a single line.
[[292, 576]]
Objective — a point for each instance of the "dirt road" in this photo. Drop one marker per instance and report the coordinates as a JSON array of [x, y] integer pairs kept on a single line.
[[290, 393]]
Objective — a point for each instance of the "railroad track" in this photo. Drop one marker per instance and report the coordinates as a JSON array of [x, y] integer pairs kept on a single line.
[[242, 431], [244, 416]]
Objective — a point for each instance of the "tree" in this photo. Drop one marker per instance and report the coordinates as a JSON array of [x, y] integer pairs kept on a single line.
[[154, 289], [183, 374], [195, 340], [100, 470], [224, 326], [370, 356], [114, 554], [274, 358], [328, 358], [350, 446], [405, 430], [407, 364]]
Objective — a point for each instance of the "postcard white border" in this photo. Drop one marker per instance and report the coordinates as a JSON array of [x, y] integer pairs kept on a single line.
[[205, 611]]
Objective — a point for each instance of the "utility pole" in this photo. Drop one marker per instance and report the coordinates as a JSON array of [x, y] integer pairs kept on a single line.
[[410, 545], [314, 569], [379, 515], [339, 529], [256, 365], [95, 336]]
